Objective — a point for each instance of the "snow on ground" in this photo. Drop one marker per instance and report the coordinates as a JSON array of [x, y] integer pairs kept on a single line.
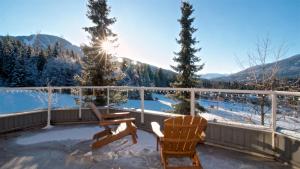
[[82, 133], [156, 105], [27, 100], [79, 134], [223, 115]]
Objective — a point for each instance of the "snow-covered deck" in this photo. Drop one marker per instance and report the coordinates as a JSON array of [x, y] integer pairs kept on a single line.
[[68, 147]]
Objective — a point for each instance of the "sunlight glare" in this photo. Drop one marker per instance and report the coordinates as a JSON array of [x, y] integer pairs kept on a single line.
[[120, 59], [107, 47]]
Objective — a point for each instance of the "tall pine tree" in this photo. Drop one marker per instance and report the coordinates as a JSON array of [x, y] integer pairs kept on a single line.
[[18, 74], [98, 69], [187, 60]]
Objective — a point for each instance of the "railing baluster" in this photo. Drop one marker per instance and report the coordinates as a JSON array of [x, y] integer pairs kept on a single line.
[[107, 97], [49, 106], [274, 112], [142, 104], [192, 102], [80, 103]]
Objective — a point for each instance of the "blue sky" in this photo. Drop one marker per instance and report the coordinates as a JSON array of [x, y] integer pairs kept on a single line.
[[147, 28]]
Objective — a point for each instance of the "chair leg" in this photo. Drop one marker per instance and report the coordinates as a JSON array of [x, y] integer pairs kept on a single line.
[[157, 142], [134, 137], [133, 132], [196, 161], [164, 160]]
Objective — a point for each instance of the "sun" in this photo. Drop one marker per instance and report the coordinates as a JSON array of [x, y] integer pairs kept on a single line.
[[107, 47]]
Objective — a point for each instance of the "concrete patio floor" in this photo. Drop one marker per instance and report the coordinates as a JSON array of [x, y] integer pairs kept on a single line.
[[68, 147]]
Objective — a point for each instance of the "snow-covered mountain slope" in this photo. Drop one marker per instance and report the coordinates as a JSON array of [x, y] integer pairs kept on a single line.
[[288, 68], [43, 41], [213, 75]]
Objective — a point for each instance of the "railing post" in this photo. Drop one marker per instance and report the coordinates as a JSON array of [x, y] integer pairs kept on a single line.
[[142, 104], [274, 111], [192, 102], [80, 103], [49, 106], [107, 97]]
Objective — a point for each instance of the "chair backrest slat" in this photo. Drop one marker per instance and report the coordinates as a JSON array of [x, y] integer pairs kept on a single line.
[[95, 111], [184, 132]]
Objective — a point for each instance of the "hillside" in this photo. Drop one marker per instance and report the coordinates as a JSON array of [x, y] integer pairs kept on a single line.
[[43, 41], [288, 68], [209, 76]]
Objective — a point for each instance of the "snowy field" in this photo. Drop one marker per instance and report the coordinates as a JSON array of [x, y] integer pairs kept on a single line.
[[27, 100], [218, 111]]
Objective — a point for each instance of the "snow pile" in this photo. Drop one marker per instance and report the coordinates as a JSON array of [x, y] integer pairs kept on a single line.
[[77, 133], [54, 134]]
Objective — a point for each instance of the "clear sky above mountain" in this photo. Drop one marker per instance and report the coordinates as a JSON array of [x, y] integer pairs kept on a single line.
[[147, 28]]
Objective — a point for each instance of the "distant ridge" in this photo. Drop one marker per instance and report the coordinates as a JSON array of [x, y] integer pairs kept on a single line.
[[288, 68], [209, 76], [44, 40]]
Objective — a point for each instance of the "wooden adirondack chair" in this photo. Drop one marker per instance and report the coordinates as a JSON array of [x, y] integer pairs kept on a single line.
[[108, 135], [179, 139]]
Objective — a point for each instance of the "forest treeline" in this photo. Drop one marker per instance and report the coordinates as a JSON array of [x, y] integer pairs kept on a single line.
[[22, 65]]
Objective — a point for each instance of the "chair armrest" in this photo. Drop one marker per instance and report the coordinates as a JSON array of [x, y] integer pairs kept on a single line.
[[156, 130], [117, 121], [202, 137], [115, 115]]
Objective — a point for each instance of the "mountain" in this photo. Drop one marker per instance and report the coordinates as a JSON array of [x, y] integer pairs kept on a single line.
[[209, 76], [43, 41], [288, 68]]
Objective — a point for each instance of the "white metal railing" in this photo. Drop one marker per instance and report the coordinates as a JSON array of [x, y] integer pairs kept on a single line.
[[141, 90]]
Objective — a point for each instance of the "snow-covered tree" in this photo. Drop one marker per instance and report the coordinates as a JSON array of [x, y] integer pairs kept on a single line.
[[187, 60], [32, 75], [18, 74], [97, 66], [59, 72]]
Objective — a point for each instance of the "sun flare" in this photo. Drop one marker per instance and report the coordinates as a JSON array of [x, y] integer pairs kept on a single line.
[[108, 47]]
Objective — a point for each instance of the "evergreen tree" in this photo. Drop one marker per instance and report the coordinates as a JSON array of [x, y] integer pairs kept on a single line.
[[18, 74], [9, 58], [37, 46], [146, 77], [41, 61], [187, 61], [73, 55], [97, 67], [160, 79], [32, 75], [49, 51], [56, 50], [28, 52], [151, 75], [59, 72]]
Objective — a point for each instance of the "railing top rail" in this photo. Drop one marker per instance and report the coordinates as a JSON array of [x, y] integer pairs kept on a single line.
[[267, 92]]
